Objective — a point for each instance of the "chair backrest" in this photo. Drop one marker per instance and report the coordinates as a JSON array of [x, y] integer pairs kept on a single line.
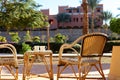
[[93, 44]]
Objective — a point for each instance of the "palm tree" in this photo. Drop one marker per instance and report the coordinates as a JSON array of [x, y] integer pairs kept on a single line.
[[93, 4], [62, 18], [106, 16], [85, 16], [118, 14]]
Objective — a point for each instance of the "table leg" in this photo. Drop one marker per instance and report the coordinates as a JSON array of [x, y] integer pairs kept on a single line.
[[51, 68], [48, 68], [28, 64], [24, 67]]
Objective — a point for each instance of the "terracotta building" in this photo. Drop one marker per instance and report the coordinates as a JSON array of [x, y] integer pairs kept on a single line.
[[76, 14]]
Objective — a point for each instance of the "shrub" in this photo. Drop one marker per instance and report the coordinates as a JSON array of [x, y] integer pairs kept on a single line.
[[115, 25], [25, 47], [36, 39], [59, 38], [14, 37], [3, 39], [27, 37]]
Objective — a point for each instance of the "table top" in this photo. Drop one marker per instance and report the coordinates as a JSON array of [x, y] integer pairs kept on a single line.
[[46, 52]]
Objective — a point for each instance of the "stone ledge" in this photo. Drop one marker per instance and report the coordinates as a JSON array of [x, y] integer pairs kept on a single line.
[[73, 55], [54, 55]]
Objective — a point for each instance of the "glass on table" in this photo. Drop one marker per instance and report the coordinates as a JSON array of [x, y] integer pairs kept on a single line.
[[36, 48], [39, 48], [43, 48]]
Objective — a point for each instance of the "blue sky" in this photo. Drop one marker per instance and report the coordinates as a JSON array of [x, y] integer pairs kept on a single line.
[[109, 5]]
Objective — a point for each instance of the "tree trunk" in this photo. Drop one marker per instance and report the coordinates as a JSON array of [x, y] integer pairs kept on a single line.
[[85, 17], [92, 23]]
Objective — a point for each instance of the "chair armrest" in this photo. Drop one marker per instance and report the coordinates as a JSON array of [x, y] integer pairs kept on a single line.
[[67, 46], [13, 51]]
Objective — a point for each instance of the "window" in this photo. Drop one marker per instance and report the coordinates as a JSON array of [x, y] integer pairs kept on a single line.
[[78, 10], [70, 11], [73, 19], [98, 9], [81, 19], [76, 19]]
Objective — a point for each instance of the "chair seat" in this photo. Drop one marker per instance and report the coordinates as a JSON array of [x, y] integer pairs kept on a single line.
[[7, 61], [68, 61], [74, 61], [90, 61]]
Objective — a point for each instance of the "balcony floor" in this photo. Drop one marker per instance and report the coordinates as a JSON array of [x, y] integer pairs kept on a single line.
[[38, 68]]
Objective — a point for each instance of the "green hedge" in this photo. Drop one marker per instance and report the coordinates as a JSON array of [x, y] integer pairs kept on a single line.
[[56, 46], [110, 44], [53, 46]]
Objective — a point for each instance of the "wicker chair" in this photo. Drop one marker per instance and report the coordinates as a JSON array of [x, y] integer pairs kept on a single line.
[[9, 61], [91, 51]]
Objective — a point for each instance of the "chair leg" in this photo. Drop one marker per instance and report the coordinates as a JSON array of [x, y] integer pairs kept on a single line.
[[80, 75], [100, 70], [16, 74], [72, 68], [85, 71], [0, 71], [58, 72]]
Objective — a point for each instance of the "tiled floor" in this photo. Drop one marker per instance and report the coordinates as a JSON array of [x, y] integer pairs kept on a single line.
[[40, 69]]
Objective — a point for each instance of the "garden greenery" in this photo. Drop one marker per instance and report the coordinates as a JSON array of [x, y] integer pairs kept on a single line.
[[3, 39], [60, 38], [115, 25], [14, 37], [20, 15], [25, 47]]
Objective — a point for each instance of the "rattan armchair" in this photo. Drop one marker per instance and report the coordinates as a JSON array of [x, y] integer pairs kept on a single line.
[[9, 60], [89, 56]]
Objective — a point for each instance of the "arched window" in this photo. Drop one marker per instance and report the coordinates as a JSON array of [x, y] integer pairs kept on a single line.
[[76, 19], [81, 19], [50, 21]]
